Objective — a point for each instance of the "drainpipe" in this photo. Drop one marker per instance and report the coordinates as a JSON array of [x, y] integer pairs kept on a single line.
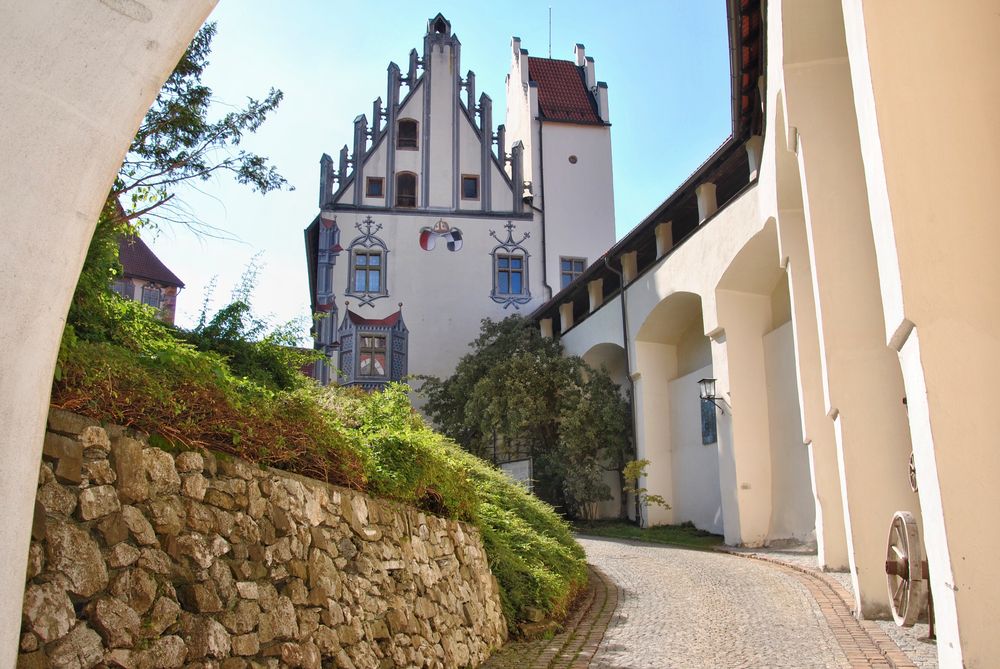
[[631, 384], [541, 187]]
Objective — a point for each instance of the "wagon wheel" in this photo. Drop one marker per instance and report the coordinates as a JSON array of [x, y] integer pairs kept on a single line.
[[904, 569]]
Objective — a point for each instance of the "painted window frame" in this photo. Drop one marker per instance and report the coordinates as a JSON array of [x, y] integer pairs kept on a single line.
[[416, 135], [511, 248], [373, 351], [571, 273], [368, 243], [399, 190], [475, 180], [372, 181]]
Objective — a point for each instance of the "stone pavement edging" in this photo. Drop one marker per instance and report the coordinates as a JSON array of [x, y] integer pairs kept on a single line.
[[575, 645], [864, 643]]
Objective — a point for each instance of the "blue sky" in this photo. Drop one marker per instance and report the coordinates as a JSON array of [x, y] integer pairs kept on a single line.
[[665, 62]]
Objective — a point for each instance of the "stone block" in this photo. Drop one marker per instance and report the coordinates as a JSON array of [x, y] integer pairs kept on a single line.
[[246, 644], [138, 526], [200, 598], [73, 552], [194, 486], [80, 649], [136, 587], [97, 502], [160, 472], [130, 473], [68, 457], [242, 618], [95, 437], [279, 623], [189, 462], [209, 639], [48, 610], [117, 622], [67, 422], [122, 555], [56, 498], [99, 472], [167, 652]]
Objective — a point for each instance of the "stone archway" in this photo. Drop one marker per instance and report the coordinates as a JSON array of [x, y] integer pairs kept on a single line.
[[77, 80]]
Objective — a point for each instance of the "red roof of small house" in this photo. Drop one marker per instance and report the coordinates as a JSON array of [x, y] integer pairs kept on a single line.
[[387, 322], [562, 92], [139, 261]]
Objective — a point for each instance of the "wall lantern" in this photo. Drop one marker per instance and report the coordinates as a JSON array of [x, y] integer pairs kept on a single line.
[[707, 387]]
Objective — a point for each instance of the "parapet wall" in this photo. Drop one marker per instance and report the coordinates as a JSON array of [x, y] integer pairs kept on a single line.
[[145, 558]]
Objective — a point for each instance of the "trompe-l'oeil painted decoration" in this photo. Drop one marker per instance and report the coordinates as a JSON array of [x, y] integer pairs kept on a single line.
[[429, 236]]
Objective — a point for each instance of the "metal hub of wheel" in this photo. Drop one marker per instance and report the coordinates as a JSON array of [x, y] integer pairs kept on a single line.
[[905, 569]]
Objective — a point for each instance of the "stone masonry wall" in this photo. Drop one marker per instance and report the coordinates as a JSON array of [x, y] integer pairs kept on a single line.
[[142, 558]]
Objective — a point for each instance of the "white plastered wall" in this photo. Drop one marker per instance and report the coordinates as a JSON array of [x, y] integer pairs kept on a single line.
[[697, 495], [445, 294], [579, 197], [930, 167], [67, 94]]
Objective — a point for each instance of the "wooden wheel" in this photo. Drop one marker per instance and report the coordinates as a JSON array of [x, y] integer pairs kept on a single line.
[[905, 570]]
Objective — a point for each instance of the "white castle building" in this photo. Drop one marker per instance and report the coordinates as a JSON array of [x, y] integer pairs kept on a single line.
[[433, 220]]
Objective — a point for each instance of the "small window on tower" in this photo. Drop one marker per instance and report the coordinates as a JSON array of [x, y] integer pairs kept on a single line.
[[470, 187], [374, 187], [569, 269], [406, 189], [406, 137]]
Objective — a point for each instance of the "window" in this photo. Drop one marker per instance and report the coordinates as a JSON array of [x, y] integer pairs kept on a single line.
[[371, 355], [406, 137], [374, 187], [510, 274], [124, 288], [569, 269], [406, 189], [510, 269], [367, 272], [151, 296], [470, 187]]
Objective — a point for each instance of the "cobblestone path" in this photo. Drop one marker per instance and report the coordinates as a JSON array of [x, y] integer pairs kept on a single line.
[[663, 607]]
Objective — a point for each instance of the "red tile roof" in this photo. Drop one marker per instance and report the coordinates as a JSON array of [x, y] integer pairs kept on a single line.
[[139, 261], [562, 92], [387, 322]]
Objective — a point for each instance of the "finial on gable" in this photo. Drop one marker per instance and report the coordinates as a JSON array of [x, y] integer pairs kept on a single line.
[[439, 24]]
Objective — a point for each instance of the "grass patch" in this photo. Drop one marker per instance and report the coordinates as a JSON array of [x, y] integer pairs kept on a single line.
[[673, 535]]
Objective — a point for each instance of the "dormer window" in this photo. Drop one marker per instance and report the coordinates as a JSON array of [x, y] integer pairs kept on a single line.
[[406, 189], [406, 135]]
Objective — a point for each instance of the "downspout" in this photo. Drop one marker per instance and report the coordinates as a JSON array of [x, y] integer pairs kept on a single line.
[[541, 187], [631, 386]]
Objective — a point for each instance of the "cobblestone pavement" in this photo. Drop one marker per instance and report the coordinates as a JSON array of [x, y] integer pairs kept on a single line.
[[912, 641], [689, 609]]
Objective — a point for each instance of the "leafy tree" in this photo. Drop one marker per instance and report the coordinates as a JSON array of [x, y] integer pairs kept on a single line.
[[517, 395], [177, 145]]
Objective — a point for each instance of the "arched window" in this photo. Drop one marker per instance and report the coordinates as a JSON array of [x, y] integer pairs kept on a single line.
[[406, 136], [406, 189]]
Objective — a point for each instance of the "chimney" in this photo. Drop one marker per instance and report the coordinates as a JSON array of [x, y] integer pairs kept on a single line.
[[580, 53]]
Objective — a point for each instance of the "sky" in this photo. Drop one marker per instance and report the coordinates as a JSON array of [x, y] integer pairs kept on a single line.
[[666, 64]]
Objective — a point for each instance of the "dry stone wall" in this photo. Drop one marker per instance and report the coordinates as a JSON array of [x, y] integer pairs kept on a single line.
[[142, 558]]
